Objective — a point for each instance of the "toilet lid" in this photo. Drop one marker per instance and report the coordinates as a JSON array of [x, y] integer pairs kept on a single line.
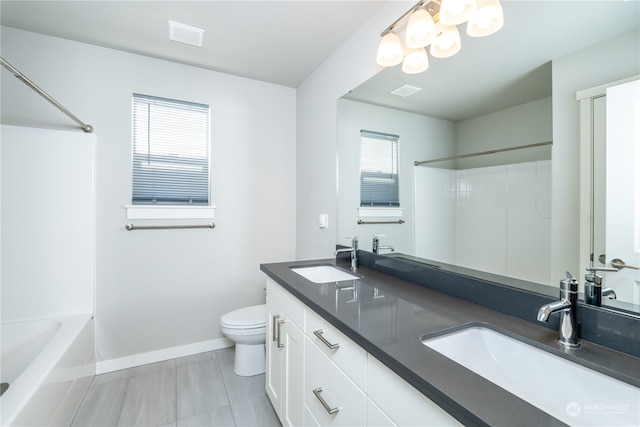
[[246, 318]]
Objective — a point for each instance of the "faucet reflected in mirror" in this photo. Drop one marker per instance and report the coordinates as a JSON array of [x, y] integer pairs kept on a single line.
[[353, 250], [431, 134], [375, 245]]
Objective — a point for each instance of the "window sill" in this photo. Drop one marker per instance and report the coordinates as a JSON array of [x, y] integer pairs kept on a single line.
[[380, 212], [170, 212]]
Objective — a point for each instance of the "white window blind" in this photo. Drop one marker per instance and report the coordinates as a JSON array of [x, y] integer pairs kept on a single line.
[[379, 184], [170, 152]]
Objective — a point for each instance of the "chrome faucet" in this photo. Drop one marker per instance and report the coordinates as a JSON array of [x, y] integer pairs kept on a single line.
[[353, 249], [593, 291], [376, 244], [567, 307]]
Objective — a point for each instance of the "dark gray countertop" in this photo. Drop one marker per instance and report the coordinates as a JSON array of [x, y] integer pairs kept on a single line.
[[388, 316]]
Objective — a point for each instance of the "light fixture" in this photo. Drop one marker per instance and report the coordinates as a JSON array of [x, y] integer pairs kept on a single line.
[[433, 23], [421, 30], [390, 50], [487, 20], [415, 61], [447, 43], [454, 12]]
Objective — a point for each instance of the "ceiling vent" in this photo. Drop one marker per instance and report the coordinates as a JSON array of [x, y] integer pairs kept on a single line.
[[186, 34], [405, 91]]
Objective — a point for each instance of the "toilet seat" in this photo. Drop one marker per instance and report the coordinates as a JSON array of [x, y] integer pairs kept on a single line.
[[253, 317]]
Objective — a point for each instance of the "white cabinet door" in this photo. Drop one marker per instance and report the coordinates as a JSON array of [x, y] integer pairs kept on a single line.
[[285, 357], [274, 359], [330, 396], [293, 374], [405, 405], [376, 416]]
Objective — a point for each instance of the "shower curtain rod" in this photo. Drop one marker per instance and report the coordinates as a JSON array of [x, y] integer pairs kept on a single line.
[[482, 153], [85, 127]]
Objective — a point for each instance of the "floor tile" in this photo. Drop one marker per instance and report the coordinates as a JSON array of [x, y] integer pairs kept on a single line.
[[196, 390], [153, 367], [200, 388], [219, 417], [255, 412], [150, 399], [195, 358], [112, 376], [102, 405]]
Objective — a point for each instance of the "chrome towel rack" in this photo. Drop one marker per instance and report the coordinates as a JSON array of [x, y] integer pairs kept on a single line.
[[131, 227], [400, 221]]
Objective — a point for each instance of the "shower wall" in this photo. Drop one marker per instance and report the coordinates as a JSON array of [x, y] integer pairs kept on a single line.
[[47, 225], [495, 219]]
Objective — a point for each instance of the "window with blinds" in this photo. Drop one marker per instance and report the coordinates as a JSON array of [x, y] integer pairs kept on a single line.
[[379, 185], [170, 152]]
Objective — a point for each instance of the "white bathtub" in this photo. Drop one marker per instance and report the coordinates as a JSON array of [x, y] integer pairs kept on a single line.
[[49, 365]]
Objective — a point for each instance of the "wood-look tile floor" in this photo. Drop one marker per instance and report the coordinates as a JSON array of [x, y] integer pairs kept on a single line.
[[198, 390]]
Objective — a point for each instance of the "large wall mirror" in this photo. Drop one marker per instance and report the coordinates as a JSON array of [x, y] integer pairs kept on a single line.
[[475, 145]]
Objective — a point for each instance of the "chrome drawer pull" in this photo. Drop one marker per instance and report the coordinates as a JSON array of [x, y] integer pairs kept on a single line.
[[329, 409], [280, 322], [318, 333], [274, 335]]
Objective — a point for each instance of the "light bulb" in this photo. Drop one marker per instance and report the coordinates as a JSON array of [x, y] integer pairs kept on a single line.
[[389, 50], [421, 30], [415, 61], [487, 20], [454, 12], [447, 43]]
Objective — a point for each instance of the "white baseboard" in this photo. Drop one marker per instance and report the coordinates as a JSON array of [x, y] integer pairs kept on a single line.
[[160, 355]]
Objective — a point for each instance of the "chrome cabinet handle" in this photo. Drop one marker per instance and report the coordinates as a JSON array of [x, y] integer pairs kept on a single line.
[[318, 333], [328, 408], [274, 333], [619, 264], [279, 328]]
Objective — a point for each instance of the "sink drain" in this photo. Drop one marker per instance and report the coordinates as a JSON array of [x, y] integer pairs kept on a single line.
[[3, 388]]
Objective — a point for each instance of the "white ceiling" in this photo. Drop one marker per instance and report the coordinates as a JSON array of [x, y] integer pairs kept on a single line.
[[279, 42], [283, 42]]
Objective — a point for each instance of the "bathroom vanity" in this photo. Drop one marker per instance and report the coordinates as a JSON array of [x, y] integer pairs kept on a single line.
[[353, 350]]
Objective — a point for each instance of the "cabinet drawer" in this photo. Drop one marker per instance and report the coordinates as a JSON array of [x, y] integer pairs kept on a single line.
[[324, 382], [349, 356], [405, 405], [289, 304], [376, 416]]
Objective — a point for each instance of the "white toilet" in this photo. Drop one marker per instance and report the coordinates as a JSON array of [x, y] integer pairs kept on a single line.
[[247, 328]]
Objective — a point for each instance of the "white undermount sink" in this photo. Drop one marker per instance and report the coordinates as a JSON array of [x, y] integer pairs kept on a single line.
[[569, 392], [323, 273]]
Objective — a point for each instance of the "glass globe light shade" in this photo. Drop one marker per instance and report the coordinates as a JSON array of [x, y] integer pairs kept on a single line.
[[487, 20], [415, 61], [421, 30], [389, 50], [447, 43], [454, 12]]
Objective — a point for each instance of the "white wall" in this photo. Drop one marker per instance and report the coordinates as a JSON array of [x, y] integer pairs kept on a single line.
[[48, 223], [421, 138], [316, 131], [161, 293], [577, 71]]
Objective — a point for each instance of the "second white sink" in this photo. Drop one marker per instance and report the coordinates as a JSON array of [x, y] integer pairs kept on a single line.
[[570, 392], [323, 273]]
